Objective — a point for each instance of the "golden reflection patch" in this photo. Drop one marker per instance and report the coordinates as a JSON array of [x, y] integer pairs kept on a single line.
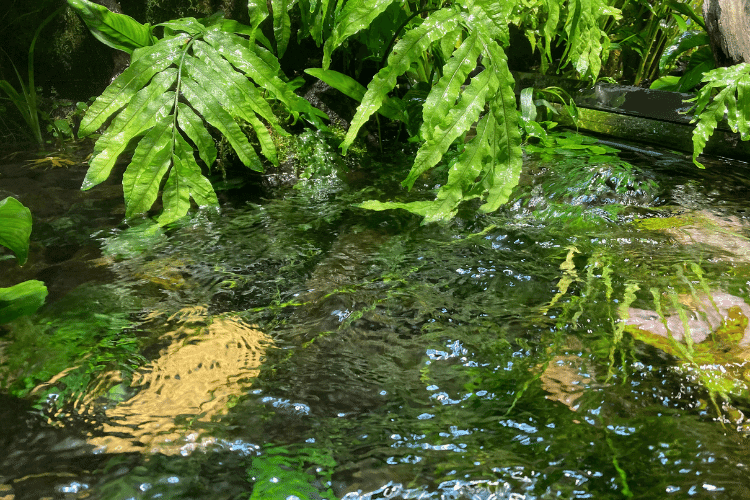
[[208, 362]]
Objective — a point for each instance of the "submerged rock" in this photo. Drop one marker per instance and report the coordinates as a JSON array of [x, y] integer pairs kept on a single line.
[[703, 314]]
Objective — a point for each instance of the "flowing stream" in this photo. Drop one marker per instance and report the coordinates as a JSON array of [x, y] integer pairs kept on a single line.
[[589, 340]]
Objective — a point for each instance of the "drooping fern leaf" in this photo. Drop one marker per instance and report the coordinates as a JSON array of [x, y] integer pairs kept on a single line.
[[732, 101], [197, 73], [354, 17], [490, 162], [411, 47]]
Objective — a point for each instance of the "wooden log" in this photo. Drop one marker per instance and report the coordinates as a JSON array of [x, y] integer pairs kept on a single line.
[[728, 27]]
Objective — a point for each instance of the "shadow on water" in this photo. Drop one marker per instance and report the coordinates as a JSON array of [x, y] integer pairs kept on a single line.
[[293, 345]]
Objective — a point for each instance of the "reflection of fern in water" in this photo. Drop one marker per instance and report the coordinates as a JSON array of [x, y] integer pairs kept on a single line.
[[704, 329]]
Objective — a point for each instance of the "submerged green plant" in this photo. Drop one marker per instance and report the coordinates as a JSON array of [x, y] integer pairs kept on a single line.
[[201, 70]]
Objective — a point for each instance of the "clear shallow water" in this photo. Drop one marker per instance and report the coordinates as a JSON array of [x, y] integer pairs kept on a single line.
[[295, 345]]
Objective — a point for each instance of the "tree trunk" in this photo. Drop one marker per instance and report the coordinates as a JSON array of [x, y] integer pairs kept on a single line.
[[728, 26]]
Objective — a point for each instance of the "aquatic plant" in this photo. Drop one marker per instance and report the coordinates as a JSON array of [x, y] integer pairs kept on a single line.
[[15, 230], [215, 75]]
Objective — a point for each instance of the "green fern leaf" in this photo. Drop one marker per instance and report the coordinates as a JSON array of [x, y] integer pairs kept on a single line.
[[282, 25], [731, 100], [145, 172], [392, 106], [491, 17], [212, 110], [505, 168], [149, 62], [189, 25], [238, 92], [231, 93], [147, 107], [584, 37], [416, 207], [444, 93], [264, 71], [354, 17], [320, 16], [185, 181], [463, 173], [459, 120], [550, 31], [193, 126], [407, 50]]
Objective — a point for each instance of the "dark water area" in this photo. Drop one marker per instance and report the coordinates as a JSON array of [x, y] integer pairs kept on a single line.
[[291, 345]]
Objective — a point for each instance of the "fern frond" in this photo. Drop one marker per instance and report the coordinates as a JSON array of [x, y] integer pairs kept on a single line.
[[444, 93], [282, 25], [407, 50], [463, 172], [731, 101], [145, 172], [264, 69], [185, 181], [147, 107], [192, 125], [354, 17], [505, 167], [584, 37], [148, 61], [459, 120], [211, 109]]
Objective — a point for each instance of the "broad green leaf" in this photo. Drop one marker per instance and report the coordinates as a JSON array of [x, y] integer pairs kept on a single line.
[[352, 88], [445, 92], [459, 120], [185, 181], [492, 16], [406, 51], [151, 160], [239, 92], [15, 228], [282, 25], [193, 126], [213, 112], [687, 11], [151, 61], [115, 30], [21, 300], [264, 70], [147, 107], [355, 16]]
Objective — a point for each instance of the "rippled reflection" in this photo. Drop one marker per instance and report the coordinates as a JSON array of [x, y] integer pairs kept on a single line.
[[208, 361]]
